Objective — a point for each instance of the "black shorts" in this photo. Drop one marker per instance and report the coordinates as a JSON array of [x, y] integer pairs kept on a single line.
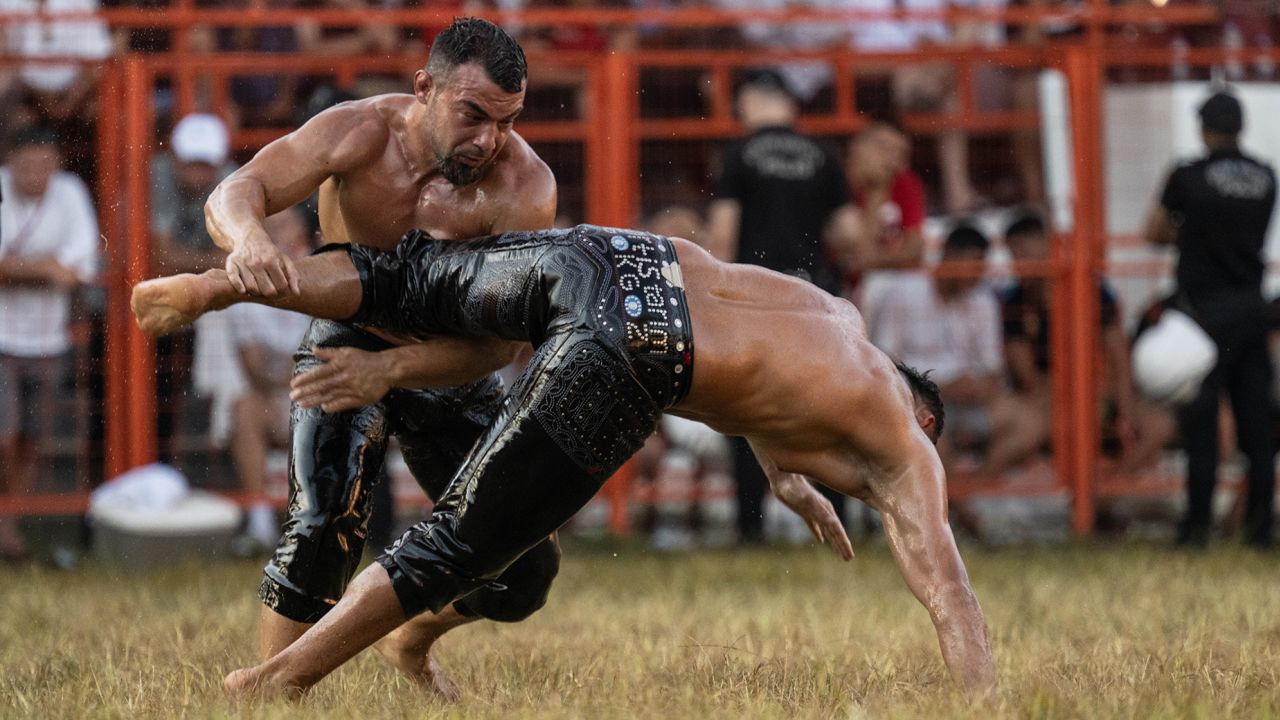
[[607, 313], [335, 460]]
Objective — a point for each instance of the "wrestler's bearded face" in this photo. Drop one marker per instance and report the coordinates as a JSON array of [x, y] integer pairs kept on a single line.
[[468, 121]]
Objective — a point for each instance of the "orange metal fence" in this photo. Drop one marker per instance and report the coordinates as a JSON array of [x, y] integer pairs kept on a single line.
[[611, 130]]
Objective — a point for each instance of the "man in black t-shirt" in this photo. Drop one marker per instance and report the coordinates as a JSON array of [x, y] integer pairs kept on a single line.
[[775, 192], [1217, 209]]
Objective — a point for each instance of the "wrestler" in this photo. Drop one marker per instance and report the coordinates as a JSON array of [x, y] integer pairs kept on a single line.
[[626, 325], [444, 158]]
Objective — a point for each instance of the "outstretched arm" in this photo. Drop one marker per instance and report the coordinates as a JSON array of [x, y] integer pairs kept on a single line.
[[798, 494], [913, 507]]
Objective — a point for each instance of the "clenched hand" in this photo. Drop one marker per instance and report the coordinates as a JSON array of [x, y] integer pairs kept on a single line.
[[258, 267]]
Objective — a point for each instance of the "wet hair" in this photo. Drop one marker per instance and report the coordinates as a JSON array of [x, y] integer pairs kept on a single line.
[[1026, 224], [474, 40], [966, 237], [926, 392]]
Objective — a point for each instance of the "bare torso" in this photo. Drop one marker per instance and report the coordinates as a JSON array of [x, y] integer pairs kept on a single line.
[[399, 188], [835, 408]]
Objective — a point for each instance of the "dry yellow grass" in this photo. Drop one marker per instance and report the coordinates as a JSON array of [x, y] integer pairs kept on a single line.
[[1080, 631]]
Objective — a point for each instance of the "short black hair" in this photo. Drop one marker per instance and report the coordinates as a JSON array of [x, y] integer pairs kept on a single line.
[[766, 80], [1026, 224], [477, 40], [966, 237], [925, 391]]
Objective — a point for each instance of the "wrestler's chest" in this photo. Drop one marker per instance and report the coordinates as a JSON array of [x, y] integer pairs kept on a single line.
[[381, 219]]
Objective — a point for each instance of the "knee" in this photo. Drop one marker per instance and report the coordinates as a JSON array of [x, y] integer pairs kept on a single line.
[[521, 590]]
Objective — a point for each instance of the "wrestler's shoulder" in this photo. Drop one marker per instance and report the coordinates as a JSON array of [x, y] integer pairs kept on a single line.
[[522, 173], [365, 120]]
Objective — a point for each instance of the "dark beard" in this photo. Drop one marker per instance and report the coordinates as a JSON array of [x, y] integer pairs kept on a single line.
[[460, 174]]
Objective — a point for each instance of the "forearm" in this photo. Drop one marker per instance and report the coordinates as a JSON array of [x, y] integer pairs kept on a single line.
[[235, 212], [28, 273], [446, 361], [963, 638]]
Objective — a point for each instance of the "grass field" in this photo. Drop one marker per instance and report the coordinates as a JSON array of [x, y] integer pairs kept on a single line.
[[1080, 631]]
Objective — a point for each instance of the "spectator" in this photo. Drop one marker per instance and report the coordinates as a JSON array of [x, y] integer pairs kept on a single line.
[[181, 181], [59, 95], [1217, 210], [774, 195], [265, 339], [1021, 417], [950, 325], [882, 233], [48, 247]]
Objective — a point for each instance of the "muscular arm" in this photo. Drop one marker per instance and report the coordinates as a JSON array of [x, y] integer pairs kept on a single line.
[[799, 495], [280, 176], [351, 378], [913, 507]]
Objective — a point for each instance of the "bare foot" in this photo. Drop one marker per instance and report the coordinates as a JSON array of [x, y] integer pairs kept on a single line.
[[164, 305], [256, 684], [418, 665]]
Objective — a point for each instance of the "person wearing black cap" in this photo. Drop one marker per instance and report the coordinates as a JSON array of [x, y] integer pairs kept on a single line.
[[775, 192], [1216, 210]]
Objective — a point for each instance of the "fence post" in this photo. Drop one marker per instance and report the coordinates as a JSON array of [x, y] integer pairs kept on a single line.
[[140, 412], [115, 365], [612, 168], [1084, 74]]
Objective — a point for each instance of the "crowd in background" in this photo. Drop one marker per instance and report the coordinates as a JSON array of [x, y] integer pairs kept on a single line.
[[984, 332]]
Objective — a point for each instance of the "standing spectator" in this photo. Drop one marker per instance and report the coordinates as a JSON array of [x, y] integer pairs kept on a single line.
[[774, 194], [48, 246], [181, 181], [950, 325], [1216, 210], [1021, 418], [265, 339], [59, 95]]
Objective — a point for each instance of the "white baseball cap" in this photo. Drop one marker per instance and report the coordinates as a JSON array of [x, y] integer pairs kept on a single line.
[[201, 137]]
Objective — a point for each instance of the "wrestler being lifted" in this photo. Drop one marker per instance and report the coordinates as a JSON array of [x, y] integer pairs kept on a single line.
[[445, 159], [626, 326]]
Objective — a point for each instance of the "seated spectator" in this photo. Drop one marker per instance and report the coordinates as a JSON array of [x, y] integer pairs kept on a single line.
[[48, 246], [265, 339], [950, 325], [1021, 420], [59, 95], [881, 232], [181, 181]]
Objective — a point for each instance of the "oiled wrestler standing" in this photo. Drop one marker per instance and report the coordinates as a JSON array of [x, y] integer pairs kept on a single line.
[[444, 159]]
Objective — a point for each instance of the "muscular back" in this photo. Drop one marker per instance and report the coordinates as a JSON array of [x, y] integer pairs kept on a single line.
[[790, 366]]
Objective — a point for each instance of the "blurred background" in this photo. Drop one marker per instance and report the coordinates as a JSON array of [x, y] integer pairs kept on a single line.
[[997, 162]]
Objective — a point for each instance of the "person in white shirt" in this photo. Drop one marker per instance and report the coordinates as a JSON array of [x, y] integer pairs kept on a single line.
[[951, 325], [265, 339], [48, 246]]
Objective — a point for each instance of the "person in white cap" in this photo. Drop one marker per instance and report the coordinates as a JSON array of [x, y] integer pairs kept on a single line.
[[181, 181]]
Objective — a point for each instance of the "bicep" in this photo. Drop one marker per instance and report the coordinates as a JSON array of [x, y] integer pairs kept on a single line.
[[291, 168]]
